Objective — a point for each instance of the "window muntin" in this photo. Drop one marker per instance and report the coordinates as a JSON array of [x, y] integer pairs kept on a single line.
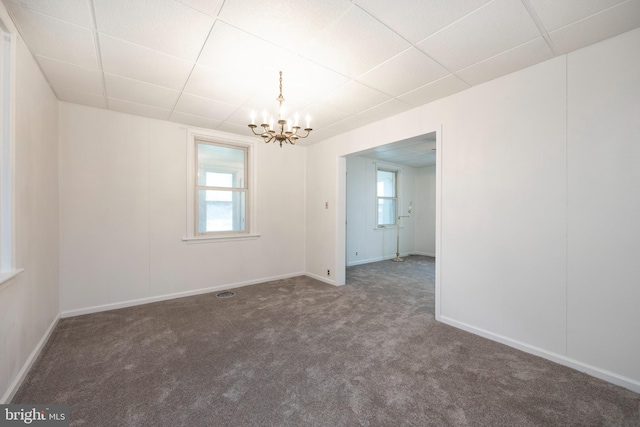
[[386, 197], [221, 188]]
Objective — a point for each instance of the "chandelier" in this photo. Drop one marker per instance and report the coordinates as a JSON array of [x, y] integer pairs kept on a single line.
[[283, 132]]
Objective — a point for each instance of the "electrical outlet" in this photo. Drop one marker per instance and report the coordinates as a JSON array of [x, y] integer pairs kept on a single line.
[[328, 272]]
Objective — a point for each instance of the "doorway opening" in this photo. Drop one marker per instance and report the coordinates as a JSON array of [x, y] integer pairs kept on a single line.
[[397, 182]]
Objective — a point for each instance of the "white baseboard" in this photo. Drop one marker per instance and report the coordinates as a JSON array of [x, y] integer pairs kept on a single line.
[[17, 382], [141, 301], [602, 374], [364, 261], [376, 259], [322, 279], [424, 254]]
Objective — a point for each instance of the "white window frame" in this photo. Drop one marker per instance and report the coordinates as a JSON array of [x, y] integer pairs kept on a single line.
[[397, 171], [219, 138], [8, 268]]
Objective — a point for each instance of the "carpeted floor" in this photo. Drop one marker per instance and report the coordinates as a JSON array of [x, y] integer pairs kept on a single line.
[[298, 352]]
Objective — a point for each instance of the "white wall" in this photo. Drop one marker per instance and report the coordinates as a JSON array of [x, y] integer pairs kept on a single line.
[[372, 243], [603, 204], [425, 211], [29, 303], [123, 214], [534, 250]]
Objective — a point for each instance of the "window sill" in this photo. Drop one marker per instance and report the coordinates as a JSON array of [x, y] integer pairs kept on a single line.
[[6, 276], [216, 239], [388, 227]]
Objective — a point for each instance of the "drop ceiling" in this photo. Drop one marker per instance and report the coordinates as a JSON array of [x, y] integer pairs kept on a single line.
[[416, 152], [210, 63]]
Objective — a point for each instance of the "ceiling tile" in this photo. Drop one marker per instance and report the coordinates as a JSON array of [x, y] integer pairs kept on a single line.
[[140, 92], [231, 55], [439, 89], [406, 144], [63, 74], [417, 19], [191, 120], [350, 123], [556, 14], [242, 117], [608, 23], [72, 43], [233, 49], [288, 23], [183, 33], [218, 84], [74, 11], [392, 77], [384, 110], [507, 62], [354, 98], [322, 115], [199, 106], [210, 7], [355, 32], [139, 63], [320, 135], [234, 128], [494, 28], [416, 152], [138, 109], [82, 98]]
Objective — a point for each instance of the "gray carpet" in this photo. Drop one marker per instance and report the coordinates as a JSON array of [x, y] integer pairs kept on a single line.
[[298, 352]]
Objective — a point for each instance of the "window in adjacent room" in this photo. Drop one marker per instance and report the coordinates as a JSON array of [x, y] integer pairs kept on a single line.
[[386, 197]]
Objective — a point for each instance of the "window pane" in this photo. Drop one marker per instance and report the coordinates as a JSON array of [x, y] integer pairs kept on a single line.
[[386, 184], [221, 211], [221, 166], [386, 211], [217, 179]]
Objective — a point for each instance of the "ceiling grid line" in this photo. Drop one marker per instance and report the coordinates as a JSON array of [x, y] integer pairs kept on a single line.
[[96, 42], [194, 66], [541, 28], [413, 45]]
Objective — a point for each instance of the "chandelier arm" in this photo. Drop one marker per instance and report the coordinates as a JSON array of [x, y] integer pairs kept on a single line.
[[308, 130], [268, 139], [264, 131]]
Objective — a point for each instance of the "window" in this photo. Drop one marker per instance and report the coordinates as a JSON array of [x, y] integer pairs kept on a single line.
[[220, 187], [386, 197], [7, 55]]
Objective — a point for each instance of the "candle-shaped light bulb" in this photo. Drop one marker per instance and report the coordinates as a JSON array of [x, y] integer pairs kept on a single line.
[[264, 116], [253, 117], [271, 122], [297, 119], [308, 122]]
